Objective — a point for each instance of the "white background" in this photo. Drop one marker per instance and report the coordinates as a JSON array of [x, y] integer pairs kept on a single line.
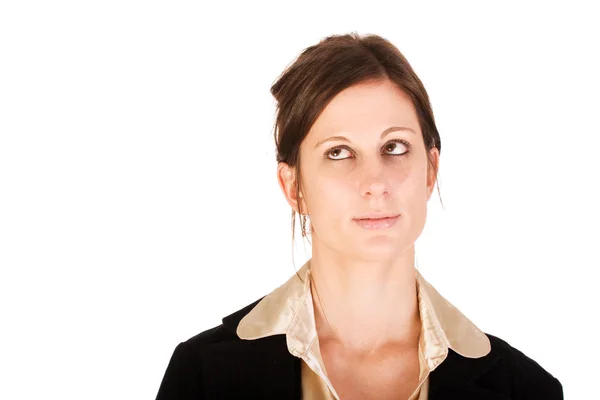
[[138, 194]]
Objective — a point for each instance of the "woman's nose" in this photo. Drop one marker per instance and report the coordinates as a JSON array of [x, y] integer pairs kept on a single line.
[[376, 188], [373, 181]]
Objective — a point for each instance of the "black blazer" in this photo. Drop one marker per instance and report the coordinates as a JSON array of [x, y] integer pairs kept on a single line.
[[217, 364]]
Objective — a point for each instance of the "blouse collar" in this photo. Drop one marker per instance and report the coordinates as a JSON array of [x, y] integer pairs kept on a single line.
[[289, 310]]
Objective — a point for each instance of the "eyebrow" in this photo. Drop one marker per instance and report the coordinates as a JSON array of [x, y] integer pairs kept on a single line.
[[383, 134]]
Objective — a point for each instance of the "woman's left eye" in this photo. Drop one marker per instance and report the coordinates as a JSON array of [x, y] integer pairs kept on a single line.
[[393, 146]]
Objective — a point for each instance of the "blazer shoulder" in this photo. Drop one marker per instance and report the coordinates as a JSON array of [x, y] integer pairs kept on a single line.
[[528, 379], [224, 332], [183, 376], [216, 334]]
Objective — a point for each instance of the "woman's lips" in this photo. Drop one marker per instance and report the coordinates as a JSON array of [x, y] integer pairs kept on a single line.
[[379, 223]]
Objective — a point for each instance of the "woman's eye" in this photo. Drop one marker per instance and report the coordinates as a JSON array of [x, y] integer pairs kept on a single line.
[[393, 146], [334, 153]]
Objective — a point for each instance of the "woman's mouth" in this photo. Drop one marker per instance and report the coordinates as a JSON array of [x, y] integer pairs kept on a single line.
[[377, 223]]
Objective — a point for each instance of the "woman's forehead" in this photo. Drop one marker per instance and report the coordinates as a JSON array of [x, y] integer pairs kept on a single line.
[[365, 109]]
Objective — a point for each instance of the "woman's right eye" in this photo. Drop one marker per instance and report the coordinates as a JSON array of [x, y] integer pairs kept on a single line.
[[335, 152]]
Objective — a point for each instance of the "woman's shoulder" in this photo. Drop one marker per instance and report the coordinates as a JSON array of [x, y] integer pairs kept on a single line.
[[216, 334], [182, 378], [224, 332], [527, 376]]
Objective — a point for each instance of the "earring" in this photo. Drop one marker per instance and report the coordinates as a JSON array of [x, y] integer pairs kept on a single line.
[[303, 223]]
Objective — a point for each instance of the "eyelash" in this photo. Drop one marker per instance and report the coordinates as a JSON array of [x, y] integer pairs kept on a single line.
[[402, 142]]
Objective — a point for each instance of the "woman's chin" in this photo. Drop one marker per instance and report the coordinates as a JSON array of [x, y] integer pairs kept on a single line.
[[377, 248]]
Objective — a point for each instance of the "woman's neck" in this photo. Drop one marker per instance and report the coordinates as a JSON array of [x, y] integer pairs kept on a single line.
[[365, 306]]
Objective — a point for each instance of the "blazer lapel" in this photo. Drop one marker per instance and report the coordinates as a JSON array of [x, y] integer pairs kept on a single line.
[[261, 368], [455, 378]]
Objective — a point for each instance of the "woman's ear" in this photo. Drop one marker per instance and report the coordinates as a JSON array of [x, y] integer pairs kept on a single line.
[[286, 176], [434, 156]]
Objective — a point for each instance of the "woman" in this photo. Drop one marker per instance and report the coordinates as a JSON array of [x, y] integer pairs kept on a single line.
[[358, 153]]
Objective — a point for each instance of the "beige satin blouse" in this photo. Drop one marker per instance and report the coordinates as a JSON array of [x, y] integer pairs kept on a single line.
[[289, 310]]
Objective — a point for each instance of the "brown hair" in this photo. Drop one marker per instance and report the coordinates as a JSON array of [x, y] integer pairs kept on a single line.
[[322, 71]]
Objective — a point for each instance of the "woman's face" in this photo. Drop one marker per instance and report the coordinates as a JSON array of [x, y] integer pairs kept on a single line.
[[365, 154]]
